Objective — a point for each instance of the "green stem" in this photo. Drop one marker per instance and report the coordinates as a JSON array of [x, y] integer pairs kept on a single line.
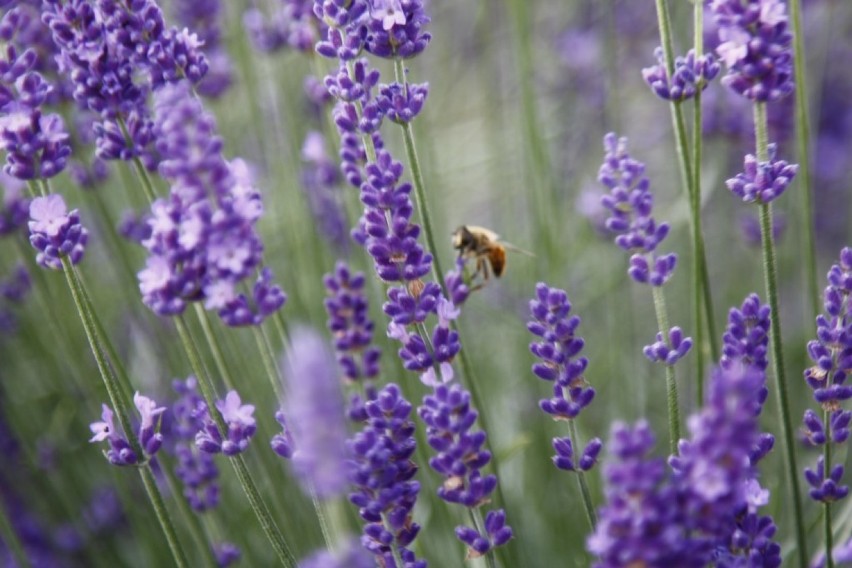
[[690, 172], [479, 524], [163, 515], [829, 537], [267, 523], [273, 373], [191, 519], [581, 479], [215, 346], [145, 179], [423, 208], [803, 144], [120, 404], [770, 273], [419, 185], [671, 384]]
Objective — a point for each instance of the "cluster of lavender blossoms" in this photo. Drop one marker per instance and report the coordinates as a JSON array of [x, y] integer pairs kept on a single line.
[[116, 52], [762, 182], [630, 205], [239, 422], [755, 45], [36, 144], [702, 510], [203, 242], [55, 232], [691, 75], [204, 18], [120, 448], [350, 324], [558, 348], [394, 29], [831, 353]]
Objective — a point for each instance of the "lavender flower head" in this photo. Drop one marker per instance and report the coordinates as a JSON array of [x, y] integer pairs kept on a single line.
[[55, 232], [238, 419], [831, 354], [638, 524], [203, 242], [690, 75], [315, 414], [755, 45], [559, 349], [395, 28], [120, 450], [382, 473], [196, 469], [349, 322], [762, 182], [460, 457], [714, 464], [671, 350], [36, 145], [630, 202]]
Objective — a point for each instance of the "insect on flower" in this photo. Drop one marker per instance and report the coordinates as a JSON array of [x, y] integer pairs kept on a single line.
[[484, 245]]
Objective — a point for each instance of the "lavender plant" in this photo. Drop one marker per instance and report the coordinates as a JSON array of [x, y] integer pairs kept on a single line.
[[368, 130]]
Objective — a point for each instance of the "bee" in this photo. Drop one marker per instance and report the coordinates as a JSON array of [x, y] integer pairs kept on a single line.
[[484, 245]]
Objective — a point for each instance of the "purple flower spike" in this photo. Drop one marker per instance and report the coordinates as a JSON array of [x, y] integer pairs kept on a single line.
[[450, 418], [239, 421], [55, 233], [630, 204], [402, 103], [747, 335], [350, 324], [382, 472], [196, 469], [149, 439], [120, 451], [315, 415], [714, 464], [395, 28], [671, 351], [559, 349], [15, 207], [756, 46], [762, 182], [590, 454], [638, 524], [826, 488], [690, 75], [497, 534]]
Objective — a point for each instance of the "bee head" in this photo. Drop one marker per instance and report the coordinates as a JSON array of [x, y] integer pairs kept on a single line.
[[462, 238]]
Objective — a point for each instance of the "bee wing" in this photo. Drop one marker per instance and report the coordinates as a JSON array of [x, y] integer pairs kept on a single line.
[[513, 248], [492, 236]]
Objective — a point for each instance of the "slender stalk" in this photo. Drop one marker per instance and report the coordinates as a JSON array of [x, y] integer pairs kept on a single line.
[[479, 524], [191, 519], [120, 406], [422, 205], [690, 171], [419, 185], [803, 145], [163, 515], [267, 522], [829, 537], [581, 479], [273, 373], [671, 383], [215, 346], [770, 273]]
